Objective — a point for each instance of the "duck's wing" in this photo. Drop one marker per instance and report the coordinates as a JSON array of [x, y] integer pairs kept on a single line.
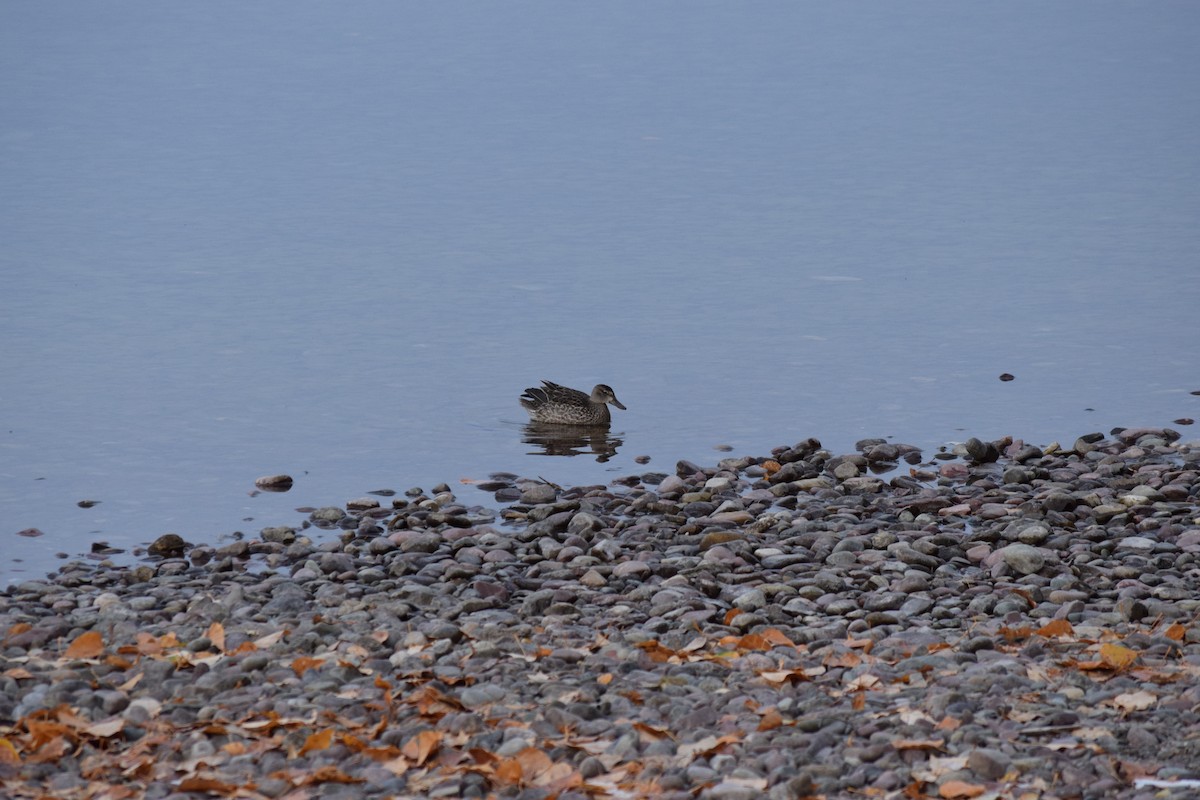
[[564, 394]]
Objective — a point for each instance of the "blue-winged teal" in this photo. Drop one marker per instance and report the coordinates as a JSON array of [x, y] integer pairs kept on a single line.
[[562, 406]]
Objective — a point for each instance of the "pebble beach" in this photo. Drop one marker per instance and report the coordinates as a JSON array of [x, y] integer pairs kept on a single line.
[[999, 619]]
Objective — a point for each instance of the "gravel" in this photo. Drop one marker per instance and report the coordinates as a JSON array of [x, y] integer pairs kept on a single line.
[[1001, 619]]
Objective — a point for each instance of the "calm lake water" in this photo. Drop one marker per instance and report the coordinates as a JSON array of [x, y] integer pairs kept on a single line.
[[338, 241]]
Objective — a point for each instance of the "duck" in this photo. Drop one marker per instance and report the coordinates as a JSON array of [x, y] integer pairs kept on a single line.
[[560, 405]]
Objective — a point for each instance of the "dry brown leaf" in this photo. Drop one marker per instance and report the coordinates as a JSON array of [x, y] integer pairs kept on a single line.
[[1175, 632], [651, 732], [918, 744], [953, 790], [380, 636], [1135, 701], [770, 721], [1058, 627], [199, 784], [509, 771], [656, 652], [317, 741], [17, 674], [605, 679], [17, 629], [1015, 634], [730, 614], [419, 748], [106, 728], [777, 638], [842, 659], [216, 634], [8, 752], [1117, 656], [782, 676], [269, 640], [86, 645], [327, 774], [302, 664]]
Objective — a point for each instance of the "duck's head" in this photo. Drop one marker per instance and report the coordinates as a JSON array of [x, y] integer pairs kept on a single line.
[[603, 393]]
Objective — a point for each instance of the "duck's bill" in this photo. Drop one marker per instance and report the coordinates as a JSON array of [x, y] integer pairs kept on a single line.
[[619, 404]]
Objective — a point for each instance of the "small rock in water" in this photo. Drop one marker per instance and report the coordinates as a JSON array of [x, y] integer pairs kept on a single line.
[[87, 503], [31, 533], [169, 545], [1005, 376], [274, 483]]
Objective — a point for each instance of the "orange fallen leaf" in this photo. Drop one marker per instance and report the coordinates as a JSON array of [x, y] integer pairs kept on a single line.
[[8, 753], [1015, 634], [1058, 627], [328, 774], [605, 679], [216, 634], [1117, 656], [1175, 632], [656, 652], [953, 790], [420, 747], [86, 645], [730, 614], [317, 741], [302, 664], [198, 784], [17, 629], [918, 744], [770, 721]]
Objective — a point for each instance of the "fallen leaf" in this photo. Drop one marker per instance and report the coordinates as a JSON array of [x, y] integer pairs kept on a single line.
[[1134, 701], [216, 633], [317, 741], [106, 728], [86, 645], [782, 676], [862, 682], [918, 744], [1015, 634], [269, 639], [328, 774], [302, 664], [770, 721], [952, 790], [1175, 632], [8, 753], [199, 784], [605, 679], [420, 747], [18, 628], [1058, 627], [1117, 656]]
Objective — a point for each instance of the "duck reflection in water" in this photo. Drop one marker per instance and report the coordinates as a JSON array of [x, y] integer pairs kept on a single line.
[[568, 422], [571, 440]]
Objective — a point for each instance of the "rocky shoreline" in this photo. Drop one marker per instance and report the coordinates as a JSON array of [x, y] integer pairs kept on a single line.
[[999, 620]]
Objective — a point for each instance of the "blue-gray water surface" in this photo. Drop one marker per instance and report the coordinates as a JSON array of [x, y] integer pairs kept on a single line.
[[338, 240]]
